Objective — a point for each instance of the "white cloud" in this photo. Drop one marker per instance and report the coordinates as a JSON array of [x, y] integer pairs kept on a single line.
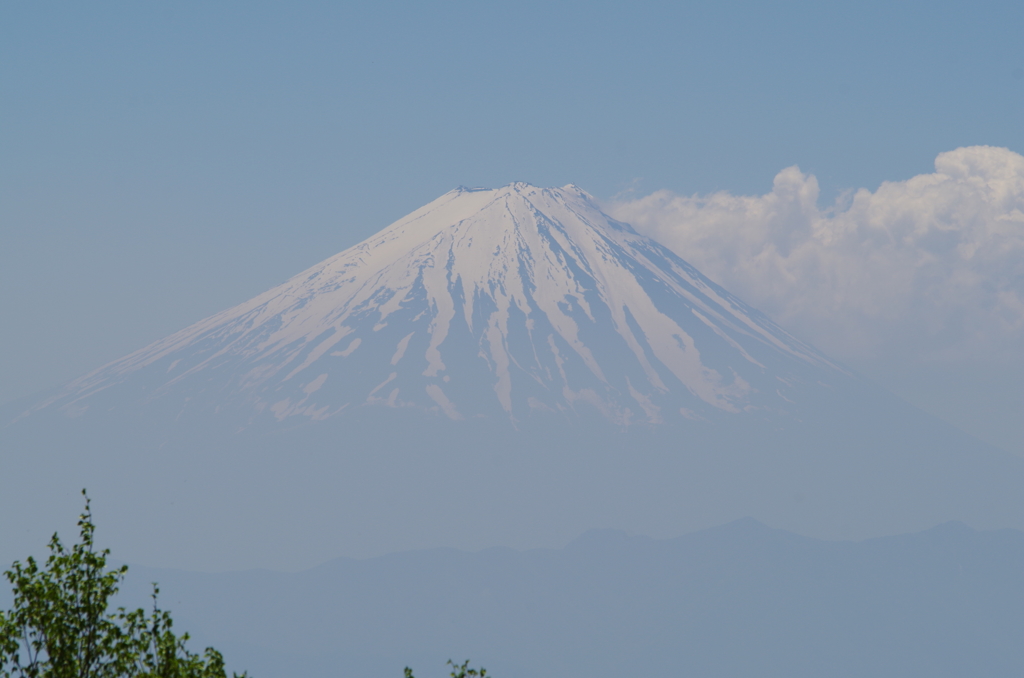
[[929, 269]]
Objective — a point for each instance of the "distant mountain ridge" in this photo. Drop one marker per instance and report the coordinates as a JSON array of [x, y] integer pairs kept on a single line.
[[495, 303], [733, 601]]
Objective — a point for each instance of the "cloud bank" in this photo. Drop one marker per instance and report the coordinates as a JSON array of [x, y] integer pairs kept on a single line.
[[927, 269]]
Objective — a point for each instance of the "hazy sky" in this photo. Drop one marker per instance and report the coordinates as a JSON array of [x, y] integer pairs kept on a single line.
[[160, 162]]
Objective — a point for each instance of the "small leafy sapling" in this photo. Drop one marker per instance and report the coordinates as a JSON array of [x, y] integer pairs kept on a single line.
[[463, 670], [458, 671], [61, 625]]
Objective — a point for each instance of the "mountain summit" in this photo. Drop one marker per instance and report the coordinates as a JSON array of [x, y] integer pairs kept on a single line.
[[502, 303]]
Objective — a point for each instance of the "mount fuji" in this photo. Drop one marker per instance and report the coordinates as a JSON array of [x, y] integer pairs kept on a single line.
[[485, 303], [519, 348]]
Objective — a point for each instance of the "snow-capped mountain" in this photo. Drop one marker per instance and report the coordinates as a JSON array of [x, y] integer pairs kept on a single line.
[[500, 367], [501, 303]]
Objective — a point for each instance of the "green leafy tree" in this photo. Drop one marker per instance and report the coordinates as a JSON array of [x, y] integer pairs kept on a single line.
[[458, 671], [61, 625]]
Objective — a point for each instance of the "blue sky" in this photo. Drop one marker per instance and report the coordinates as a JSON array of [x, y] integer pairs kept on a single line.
[[160, 162]]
